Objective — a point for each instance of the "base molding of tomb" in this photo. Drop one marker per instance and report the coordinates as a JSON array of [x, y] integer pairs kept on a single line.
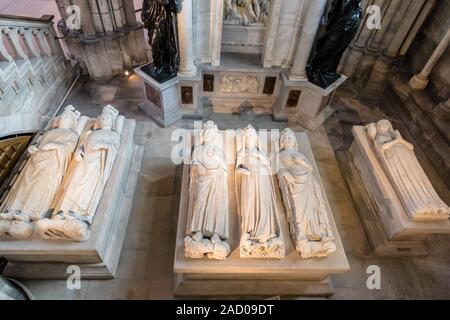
[[237, 276], [251, 284], [97, 258], [391, 233]]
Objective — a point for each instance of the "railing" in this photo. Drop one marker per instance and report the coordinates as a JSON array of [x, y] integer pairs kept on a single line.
[[34, 73], [35, 77], [37, 35]]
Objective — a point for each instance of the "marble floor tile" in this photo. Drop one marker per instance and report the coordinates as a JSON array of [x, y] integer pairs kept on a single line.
[[117, 289], [352, 294], [54, 290], [160, 149], [161, 289]]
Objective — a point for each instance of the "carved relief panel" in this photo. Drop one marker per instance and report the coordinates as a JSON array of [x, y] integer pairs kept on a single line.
[[238, 84], [246, 12]]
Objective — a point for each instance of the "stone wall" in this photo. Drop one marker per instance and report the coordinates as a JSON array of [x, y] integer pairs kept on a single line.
[[373, 52], [34, 74], [425, 111], [422, 48], [286, 19], [112, 39]]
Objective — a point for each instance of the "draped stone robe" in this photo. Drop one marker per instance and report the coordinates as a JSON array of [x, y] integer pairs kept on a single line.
[[37, 184], [208, 193], [255, 195], [84, 187], [409, 180], [303, 198]]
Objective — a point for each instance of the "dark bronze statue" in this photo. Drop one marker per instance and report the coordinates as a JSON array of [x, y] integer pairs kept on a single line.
[[159, 17], [342, 24]]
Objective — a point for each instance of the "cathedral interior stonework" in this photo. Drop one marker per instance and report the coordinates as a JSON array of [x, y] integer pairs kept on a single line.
[[266, 149]]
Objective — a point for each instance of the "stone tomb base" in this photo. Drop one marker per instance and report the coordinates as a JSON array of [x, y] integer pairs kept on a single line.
[[390, 231], [98, 258], [241, 276], [162, 101]]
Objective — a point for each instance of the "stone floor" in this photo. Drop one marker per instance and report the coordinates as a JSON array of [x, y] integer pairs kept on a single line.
[[146, 266]]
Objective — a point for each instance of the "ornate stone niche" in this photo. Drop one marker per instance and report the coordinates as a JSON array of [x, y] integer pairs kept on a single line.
[[244, 25]]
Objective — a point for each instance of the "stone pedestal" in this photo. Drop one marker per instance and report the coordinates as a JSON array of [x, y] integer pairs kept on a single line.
[[290, 275], [98, 257], [304, 102], [162, 101], [390, 231]]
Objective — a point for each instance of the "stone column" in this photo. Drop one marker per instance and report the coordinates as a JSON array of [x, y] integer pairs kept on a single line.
[[216, 31], [314, 14], [137, 42], [271, 33], [118, 13], [420, 81], [87, 24], [420, 21], [186, 39], [130, 15]]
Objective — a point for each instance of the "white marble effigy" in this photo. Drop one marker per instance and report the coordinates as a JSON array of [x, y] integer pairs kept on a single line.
[[288, 274]]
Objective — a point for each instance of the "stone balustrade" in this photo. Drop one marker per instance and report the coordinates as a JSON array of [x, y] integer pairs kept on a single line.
[[34, 73]]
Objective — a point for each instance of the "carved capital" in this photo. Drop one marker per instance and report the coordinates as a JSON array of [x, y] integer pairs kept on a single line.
[[419, 82]]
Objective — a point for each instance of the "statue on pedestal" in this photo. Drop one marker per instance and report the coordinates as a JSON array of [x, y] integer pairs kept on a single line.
[[85, 180], [342, 24], [207, 223], [414, 189], [31, 196], [256, 201], [304, 201], [159, 17]]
